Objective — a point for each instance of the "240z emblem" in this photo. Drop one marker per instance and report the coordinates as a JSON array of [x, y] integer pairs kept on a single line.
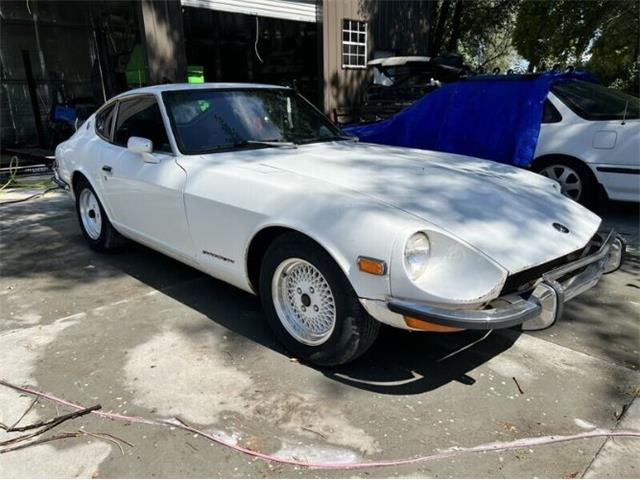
[[560, 227]]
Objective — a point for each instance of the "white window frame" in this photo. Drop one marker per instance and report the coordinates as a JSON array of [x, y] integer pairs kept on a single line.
[[361, 27]]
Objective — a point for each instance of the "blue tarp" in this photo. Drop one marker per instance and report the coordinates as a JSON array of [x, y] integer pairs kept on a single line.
[[491, 117]]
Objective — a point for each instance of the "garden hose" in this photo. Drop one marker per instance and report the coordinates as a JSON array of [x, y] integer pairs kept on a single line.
[[14, 184]]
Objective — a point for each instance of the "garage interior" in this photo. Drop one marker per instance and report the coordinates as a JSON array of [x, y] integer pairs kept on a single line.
[[235, 47], [109, 47]]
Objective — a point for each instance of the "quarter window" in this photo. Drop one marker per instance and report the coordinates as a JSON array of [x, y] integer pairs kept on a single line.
[[104, 122], [354, 44], [141, 117], [550, 114]]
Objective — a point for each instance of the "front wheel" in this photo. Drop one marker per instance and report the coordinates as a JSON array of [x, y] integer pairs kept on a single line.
[[311, 306]]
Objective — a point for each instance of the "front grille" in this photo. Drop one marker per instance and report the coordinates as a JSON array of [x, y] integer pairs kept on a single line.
[[521, 281]]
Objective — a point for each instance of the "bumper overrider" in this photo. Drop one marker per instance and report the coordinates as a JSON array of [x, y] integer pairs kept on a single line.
[[538, 309], [57, 179]]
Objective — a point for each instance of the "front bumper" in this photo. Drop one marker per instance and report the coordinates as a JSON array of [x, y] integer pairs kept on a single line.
[[541, 308]]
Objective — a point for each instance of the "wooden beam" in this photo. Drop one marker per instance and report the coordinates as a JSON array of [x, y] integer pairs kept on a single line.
[[163, 39], [33, 94]]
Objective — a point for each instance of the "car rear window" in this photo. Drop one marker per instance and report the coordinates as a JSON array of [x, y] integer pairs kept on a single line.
[[596, 102]]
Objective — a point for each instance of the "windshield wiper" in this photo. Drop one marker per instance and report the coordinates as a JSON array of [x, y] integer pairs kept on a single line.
[[330, 138], [353, 138], [266, 143]]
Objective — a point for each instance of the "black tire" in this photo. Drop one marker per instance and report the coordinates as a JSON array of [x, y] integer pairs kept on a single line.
[[589, 194], [109, 239], [354, 331]]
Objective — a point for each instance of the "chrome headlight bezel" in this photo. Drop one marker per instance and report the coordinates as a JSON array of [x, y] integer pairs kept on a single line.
[[416, 254]]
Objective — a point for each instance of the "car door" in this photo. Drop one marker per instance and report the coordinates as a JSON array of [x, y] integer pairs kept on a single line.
[[145, 190]]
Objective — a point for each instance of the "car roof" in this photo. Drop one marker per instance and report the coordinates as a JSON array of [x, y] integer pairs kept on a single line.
[[169, 87]]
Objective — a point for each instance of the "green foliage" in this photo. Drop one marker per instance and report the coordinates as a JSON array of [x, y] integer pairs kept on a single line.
[[490, 48], [479, 30], [602, 36]]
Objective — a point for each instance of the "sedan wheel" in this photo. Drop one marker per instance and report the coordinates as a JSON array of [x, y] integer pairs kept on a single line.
[[310, 304], [570, 181]]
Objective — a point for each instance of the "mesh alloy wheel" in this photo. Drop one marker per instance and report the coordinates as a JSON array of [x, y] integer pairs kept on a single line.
[[304, 301]]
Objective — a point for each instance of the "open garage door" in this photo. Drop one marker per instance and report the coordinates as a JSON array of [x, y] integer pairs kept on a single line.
[[297, 10]]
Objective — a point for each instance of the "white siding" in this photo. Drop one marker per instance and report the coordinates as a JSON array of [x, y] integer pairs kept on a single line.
[[299, 10]]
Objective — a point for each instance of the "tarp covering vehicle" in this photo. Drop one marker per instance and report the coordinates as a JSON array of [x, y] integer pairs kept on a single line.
[[486, 116]]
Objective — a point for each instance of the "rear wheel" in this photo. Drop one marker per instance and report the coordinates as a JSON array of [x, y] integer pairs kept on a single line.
[[94, 223], [575, 179], [310, 305]]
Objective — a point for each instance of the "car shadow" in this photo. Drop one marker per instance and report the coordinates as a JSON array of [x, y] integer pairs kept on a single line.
[[399, 363], [408, 363]]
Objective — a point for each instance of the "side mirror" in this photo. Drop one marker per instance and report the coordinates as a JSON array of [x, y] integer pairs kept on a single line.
[[139, 145]]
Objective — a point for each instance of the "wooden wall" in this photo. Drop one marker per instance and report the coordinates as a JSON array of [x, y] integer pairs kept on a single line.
[[162, 31], [397, 26], [343, 88]]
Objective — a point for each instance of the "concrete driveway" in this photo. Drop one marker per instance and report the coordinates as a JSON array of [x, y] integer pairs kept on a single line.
[[144, 335]]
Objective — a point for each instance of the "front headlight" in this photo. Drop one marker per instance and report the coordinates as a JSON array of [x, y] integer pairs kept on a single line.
[[416, 254]]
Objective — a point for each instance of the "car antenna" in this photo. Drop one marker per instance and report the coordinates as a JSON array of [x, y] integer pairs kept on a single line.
[[624, 115]]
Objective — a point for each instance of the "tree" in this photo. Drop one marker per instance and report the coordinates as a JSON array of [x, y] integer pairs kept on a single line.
[[602, 36], [479, 30]]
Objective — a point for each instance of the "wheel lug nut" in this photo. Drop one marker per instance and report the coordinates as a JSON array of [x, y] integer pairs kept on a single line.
[[311, 290], [299, 290], [304, 309], [315, 308]]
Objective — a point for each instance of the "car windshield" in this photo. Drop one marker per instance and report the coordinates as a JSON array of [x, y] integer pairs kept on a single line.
[[595, 102], [210, 120]]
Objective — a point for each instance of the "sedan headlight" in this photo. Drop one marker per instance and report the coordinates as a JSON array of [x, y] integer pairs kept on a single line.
[[416, 254]]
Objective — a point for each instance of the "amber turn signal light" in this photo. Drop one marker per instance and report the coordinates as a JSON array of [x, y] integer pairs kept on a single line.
[[428, 326], [372, 266]]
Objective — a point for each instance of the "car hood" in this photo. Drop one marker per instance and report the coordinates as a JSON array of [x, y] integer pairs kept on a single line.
[[505, 212]]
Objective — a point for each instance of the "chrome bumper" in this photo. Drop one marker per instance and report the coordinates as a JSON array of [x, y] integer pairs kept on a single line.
[[541, 309]]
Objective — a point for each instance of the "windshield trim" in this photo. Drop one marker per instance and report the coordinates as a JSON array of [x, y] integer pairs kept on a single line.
[[232, 148]]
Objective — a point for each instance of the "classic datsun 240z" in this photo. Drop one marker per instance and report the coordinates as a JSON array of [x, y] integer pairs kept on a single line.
[[254, 186]]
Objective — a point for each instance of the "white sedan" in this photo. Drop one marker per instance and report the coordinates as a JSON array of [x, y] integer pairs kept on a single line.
[[254, 186], [590, 137]]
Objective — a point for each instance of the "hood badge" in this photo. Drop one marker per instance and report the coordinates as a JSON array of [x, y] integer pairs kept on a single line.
[[559, 227]]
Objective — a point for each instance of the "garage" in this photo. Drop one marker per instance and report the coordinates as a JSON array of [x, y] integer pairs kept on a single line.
[[273, 41]]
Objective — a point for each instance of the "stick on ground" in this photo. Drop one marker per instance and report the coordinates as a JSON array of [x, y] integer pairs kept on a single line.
[[46, 426]]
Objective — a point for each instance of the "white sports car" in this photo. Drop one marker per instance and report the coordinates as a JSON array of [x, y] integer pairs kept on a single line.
[[254, 186]]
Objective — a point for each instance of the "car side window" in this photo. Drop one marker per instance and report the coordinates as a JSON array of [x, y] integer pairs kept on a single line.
[[141, 117], [550, 114], [104, 121]]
